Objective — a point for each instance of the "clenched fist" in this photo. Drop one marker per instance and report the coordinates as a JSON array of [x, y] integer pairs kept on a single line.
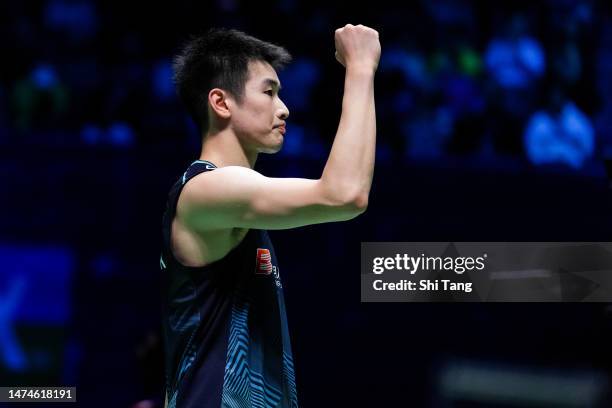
[[357, 47]]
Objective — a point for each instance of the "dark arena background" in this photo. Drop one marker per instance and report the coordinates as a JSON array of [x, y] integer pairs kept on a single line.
[[494, 124]]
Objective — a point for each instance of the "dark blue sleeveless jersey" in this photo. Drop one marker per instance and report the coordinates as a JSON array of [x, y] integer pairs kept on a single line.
[[226, 338]]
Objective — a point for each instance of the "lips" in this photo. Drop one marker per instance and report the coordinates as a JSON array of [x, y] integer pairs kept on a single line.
[[282, 129]]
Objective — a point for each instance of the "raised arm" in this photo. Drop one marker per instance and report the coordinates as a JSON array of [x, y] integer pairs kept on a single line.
[[351, 161]]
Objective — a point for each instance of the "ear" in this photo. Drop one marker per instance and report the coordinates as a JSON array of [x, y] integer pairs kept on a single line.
[[219, 103]]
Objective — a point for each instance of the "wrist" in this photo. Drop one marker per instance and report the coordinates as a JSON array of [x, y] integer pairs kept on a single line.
[[360, 70]]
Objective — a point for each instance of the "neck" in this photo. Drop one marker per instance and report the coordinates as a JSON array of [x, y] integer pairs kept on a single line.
[[223, 148]]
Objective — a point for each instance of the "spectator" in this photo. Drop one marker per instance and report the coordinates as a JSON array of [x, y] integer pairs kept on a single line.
[[559, 134]]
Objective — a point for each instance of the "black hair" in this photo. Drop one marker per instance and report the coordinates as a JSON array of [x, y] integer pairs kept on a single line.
[[219, 59]]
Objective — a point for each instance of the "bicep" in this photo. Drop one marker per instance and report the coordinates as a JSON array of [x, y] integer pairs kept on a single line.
[[233, 197]]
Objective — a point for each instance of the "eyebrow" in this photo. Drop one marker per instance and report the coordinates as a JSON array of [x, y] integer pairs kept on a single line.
[[273, 83]]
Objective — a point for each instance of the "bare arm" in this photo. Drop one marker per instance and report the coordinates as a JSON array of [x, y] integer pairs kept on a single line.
[[351, 161], [239, 197]]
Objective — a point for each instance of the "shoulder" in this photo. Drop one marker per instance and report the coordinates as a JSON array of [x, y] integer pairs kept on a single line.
[[221, 177], [212, 196], [223, 184]]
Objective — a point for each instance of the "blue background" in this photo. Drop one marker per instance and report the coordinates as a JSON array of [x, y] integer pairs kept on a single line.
[[494, 122]]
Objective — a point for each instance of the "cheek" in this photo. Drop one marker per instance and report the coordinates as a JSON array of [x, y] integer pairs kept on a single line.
[[254, 118], [263, 106], [259, 114]]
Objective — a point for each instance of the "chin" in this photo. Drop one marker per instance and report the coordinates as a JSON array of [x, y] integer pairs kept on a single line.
[[272, 149]]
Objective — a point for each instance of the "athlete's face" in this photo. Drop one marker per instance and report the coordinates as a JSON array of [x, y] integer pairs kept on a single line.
[[256, 120]]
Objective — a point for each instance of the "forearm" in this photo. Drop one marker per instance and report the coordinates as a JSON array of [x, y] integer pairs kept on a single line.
[[350, 167]]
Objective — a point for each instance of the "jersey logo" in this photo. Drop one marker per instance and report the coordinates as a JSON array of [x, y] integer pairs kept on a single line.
[[264, 262]]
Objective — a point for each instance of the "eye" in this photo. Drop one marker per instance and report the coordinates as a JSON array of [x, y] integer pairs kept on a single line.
[[270, 92]]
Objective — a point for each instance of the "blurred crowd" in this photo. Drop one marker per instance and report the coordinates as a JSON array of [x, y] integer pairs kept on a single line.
[[457, 78]]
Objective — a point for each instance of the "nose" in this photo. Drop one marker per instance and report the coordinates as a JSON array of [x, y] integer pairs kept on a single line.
[[284, 114]]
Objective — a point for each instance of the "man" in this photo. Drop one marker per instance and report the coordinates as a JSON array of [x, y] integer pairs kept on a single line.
[[225, 330]]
